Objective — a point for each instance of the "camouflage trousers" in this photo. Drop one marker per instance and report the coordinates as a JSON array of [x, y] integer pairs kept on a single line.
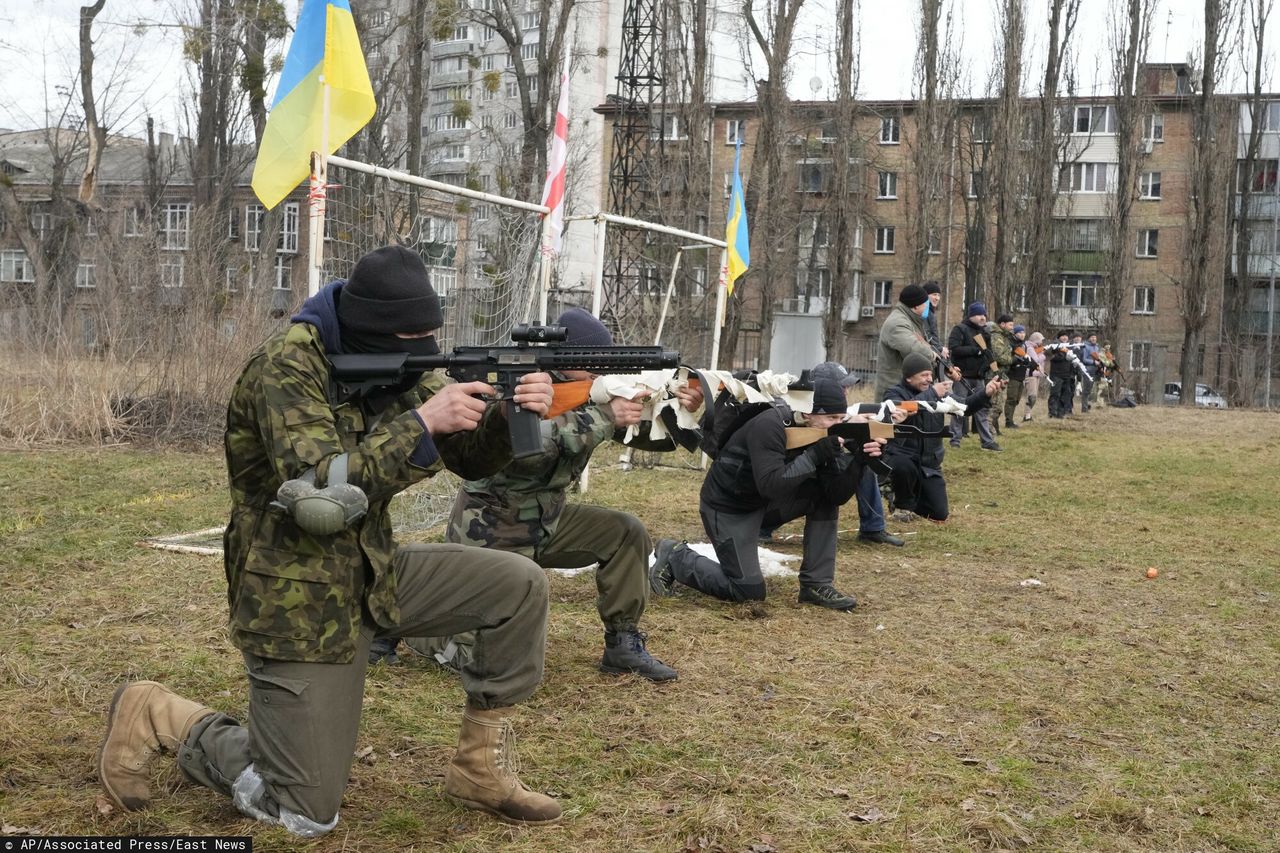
[[304, 717]]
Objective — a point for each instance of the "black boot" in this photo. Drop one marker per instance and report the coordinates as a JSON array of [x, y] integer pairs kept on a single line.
[[383, 650], [1010, 424], [661, 579], [624, 652]]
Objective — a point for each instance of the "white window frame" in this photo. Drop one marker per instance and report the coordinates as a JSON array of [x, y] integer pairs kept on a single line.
[[483, 211], [530, 21], [489, 62], [933, 241], [1085, 290], [288, 242], [887, 185], [509, 120], [284, 274], [511, 89], [974, 187], [1148, 243], [133, 220], [1139, 356], [86, 275], [169, 263], [1149, 186], [529, 51], [448, 121], [1144, 300], [1153, 127], [175, 231], [1089, 112], [882, 292], [886, 239], [15, 266], [733, 130], [1086, 177], [890, 131]]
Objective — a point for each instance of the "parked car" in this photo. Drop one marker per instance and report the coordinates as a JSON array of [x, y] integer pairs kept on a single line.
[[1205, 396]]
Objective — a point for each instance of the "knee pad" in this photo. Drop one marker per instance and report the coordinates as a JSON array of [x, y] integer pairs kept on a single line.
[[249, 794]]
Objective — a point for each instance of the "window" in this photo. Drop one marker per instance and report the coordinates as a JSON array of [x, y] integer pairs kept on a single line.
[[889, 134], [449, 65], [1074, 291], [813, 232], [232, 277], [14, 266], [884, 239], [460, 33], [87, 276], [175, 231], [90, 227], [1081, 235], [284, 274], [171, 270], [1153, 127], [728, 183], [734, 129], [454, 151], [233, 224], [448, 121], [1149, 185], [133, 220], [934, 241], [530, 20], [288, 241], [529, 51], [1264, 176], [812, 176], [379, 18], [1140, 355], [449, 94], [509, 120], [489, 62], [980, 128], [1271, 116], [252, 226], [1144, 300], [512, 89], [814, 282], [888, 185], [1021, 302], [484, 212], [882, 293], [1083, 178], [1147, 239], [42, 224], [670, 127], [1095, 120], [975, 184]]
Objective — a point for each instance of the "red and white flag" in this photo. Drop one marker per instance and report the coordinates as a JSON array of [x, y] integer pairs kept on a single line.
[[557, 156]]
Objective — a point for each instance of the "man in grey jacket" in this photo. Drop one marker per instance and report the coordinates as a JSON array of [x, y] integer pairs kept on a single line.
[[903, 333]]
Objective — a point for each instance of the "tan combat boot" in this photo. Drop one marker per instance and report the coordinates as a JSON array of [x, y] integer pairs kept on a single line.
[[145, 718], [482, 774]]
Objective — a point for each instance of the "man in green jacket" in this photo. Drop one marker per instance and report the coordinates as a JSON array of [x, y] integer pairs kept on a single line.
[[523, 508], [902, 333], [313, 574]]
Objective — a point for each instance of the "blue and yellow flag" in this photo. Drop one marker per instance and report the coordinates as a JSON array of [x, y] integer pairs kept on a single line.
[[736, 233], [325, 52]]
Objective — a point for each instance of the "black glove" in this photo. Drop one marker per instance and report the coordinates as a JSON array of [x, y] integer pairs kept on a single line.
[[824, 450]]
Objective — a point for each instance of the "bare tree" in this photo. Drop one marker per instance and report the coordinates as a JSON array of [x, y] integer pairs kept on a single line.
[[1243, 216], [1205, 213], [1129, 34], [844, 201], [1005, 177], [1046, 155]]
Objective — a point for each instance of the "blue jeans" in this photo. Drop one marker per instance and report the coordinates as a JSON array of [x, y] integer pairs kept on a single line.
[[870, 504]]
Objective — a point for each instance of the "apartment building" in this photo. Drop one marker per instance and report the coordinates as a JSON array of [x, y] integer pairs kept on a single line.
[[1150, 328]]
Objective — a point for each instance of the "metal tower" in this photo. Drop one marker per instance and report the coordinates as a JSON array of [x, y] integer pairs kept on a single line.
[[637, 145]]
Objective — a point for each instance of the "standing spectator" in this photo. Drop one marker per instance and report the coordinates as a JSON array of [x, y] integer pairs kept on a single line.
[[1089, 355], [1019, 371], [903, 332], [1035, 352], [1062, 377], [934, 292], [971, 352], [1002, 344]]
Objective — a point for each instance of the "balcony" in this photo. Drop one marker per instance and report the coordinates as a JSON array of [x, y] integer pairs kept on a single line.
[[1076, 316], [1077, 261]]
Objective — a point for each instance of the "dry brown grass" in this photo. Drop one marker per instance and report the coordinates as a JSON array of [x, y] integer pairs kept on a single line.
[[954, 710]]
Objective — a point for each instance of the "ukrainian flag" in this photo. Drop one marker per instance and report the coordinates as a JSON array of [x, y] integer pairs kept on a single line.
[[736, 233], [325, 52]]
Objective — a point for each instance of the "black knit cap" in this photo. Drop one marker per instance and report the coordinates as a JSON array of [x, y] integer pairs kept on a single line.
[[389, 291], [828, 398], [932, 287], [915, 363], [913, 295], [582, 329]]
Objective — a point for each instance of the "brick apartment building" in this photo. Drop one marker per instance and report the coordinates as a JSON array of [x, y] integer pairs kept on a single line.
[[1150, 329]]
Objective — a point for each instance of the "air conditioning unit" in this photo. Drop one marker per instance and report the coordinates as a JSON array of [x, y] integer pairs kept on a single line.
[[1148, 145], [868, 311]]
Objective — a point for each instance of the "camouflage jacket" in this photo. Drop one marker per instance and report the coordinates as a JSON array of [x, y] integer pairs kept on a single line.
[[518, 508], [1002, 344], [293, 595]]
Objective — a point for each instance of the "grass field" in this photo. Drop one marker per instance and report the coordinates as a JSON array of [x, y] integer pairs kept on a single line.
[[953, 710]]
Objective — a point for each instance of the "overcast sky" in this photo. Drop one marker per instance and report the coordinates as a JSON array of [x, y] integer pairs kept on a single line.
[[38, 52]]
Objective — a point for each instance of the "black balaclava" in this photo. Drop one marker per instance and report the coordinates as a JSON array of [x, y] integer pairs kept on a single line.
[[389, 292]]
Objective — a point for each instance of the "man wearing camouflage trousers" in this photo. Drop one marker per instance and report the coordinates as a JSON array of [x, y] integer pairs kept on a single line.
[[311, 581], [523, 508]]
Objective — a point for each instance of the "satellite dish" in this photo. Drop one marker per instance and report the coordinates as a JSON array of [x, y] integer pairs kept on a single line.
[[815, 84]]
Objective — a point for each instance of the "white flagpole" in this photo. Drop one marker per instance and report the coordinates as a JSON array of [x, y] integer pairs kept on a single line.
[[721, 295], [315, 214]]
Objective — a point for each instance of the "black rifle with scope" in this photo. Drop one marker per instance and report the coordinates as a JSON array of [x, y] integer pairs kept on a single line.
[[537, 349]]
